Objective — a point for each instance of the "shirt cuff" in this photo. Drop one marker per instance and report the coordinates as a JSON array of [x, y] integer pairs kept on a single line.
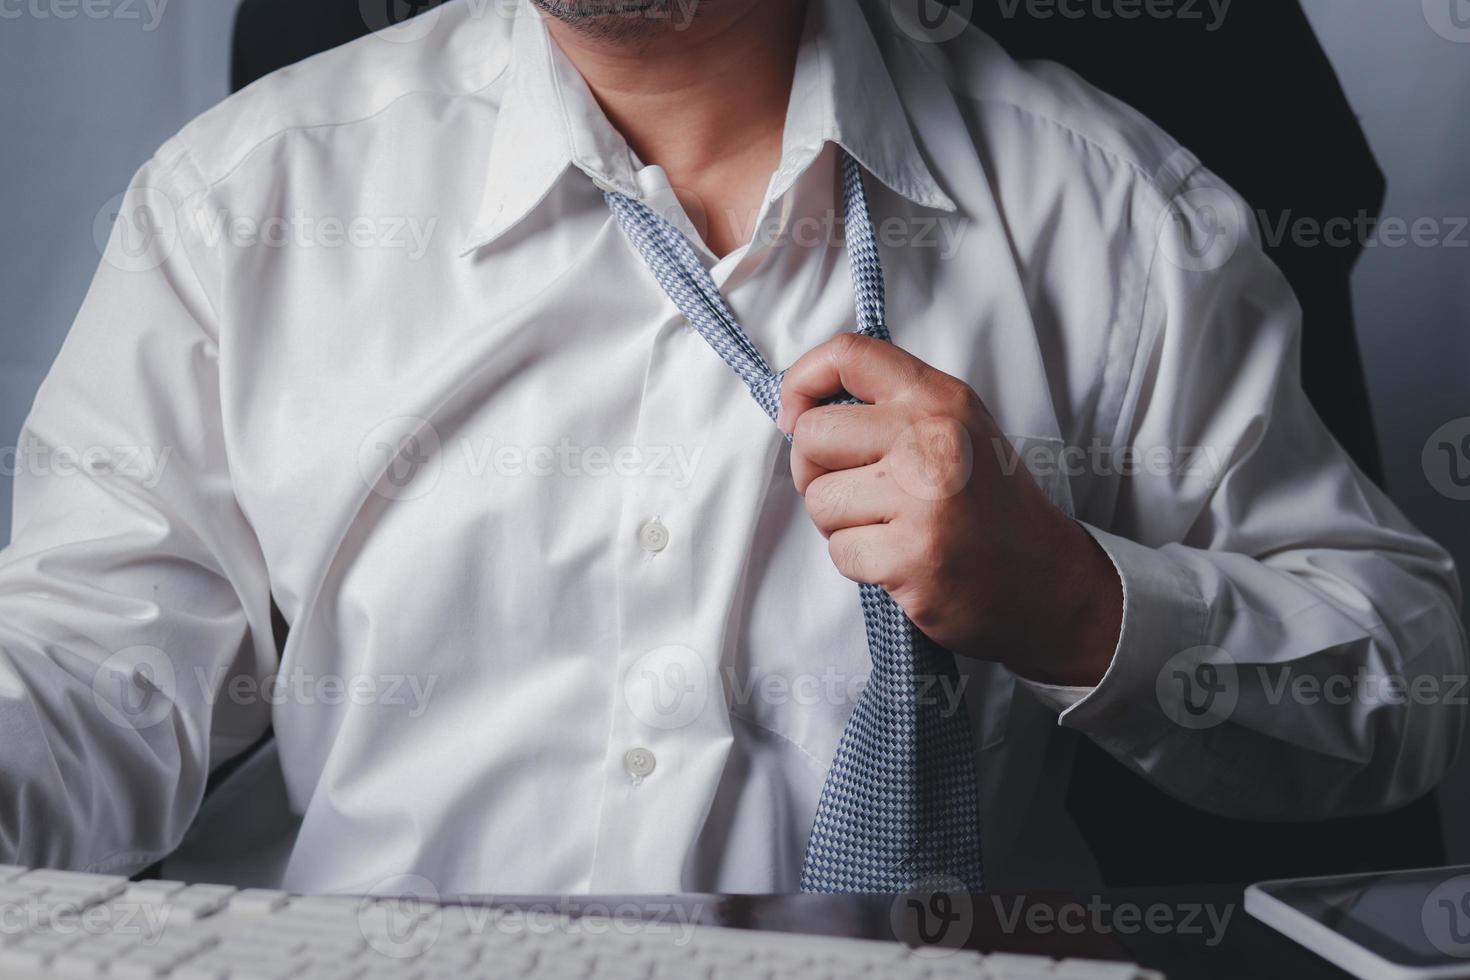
[[1057, 697], [1163, 615]]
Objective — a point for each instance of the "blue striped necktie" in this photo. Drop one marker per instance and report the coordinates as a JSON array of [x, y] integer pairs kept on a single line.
[[898, 810]]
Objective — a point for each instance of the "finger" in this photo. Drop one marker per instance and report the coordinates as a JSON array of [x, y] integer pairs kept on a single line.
[[865, 554], [869, 369], [854, 498], [840, 437]]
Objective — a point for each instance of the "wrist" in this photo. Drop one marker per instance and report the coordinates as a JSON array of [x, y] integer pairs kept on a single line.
[[1082, 620]]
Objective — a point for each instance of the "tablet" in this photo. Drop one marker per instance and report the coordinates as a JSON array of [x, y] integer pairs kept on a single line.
[[1403, 925]]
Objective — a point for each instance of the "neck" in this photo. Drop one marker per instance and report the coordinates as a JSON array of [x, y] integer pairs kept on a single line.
[[706, 103]]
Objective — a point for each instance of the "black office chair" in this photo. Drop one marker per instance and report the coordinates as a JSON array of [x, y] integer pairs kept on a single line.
[[1259, 103]]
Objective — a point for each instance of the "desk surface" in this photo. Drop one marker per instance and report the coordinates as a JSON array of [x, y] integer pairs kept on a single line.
[[1200, 933]]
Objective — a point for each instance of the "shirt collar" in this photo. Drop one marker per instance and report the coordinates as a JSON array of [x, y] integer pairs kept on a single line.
[[549, 121]]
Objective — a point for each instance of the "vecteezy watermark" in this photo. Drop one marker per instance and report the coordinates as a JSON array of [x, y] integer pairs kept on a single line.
[[401, 458], [402, 917], [1044, 459], [144, 465], [1282, 685], [136, 688], [148, 13], [139, 229], [1201, 229], [668, 924], [1198, 688], [933, 459], [1209, 14], [566, 458], [1101, 917], [1363, 230], [670, 687], [404, 458], [1201, 687], [1445, 917], [941, 234], [1446, 459], [409, 234], [1450, 19], [934, 917], [143, 921], [401, 21], [937, 21], [302, 687], [932, 21]]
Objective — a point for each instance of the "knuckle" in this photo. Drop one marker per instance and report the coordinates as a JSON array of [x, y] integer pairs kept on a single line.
[[818, 499], [935, 458], [808, 427], [845, 554], [931, 551], [921, 606], [958, 399], [849, 345]]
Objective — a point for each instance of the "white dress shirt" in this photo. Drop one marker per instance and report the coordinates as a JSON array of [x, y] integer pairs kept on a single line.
[[367, 341]]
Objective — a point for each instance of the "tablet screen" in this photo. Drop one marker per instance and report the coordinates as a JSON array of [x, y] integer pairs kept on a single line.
[[1417, 918]]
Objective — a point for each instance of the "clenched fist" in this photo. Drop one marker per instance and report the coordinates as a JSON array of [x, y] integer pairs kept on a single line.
[[978, 558]]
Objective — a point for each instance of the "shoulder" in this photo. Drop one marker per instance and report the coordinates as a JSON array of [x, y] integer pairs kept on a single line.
[[1036, 117], [458, 51]]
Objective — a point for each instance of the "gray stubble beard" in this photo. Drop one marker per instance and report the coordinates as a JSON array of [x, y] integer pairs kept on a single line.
[[622, 19]]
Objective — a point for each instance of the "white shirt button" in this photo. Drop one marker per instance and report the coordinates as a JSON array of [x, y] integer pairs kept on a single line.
[[639, 762], [653, 537]]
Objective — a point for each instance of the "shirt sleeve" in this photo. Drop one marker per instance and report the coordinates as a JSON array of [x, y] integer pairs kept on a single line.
[[133, 588], [1291, 646]]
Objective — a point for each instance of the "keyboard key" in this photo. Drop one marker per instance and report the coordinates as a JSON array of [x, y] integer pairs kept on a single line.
[[199, 901], [210, 966], [84, 960], [258, 900], [156, 887], [1097, 970], [13, 957], [69, 879], [194, 971], [145, 962], [1013, 966], [266, 971]]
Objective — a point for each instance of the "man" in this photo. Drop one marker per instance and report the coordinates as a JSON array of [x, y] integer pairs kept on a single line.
[[559, 620]]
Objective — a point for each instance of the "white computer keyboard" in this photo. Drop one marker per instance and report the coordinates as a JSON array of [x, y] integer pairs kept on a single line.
[[64, 924]]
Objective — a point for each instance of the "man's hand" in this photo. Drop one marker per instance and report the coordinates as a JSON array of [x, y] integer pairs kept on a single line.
[[910, 493]]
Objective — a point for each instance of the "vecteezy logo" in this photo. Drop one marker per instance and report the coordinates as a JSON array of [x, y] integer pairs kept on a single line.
[[1201, 229], [1450, 19], [933, 459], [932, 21], [418, 17], [1210, 686], [136, 231], [401, 916], [1198, 688], [1446, 917], [935, 916], [400, 459], [135, 688], [667, 688], [942, 905], [1446, 459]]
